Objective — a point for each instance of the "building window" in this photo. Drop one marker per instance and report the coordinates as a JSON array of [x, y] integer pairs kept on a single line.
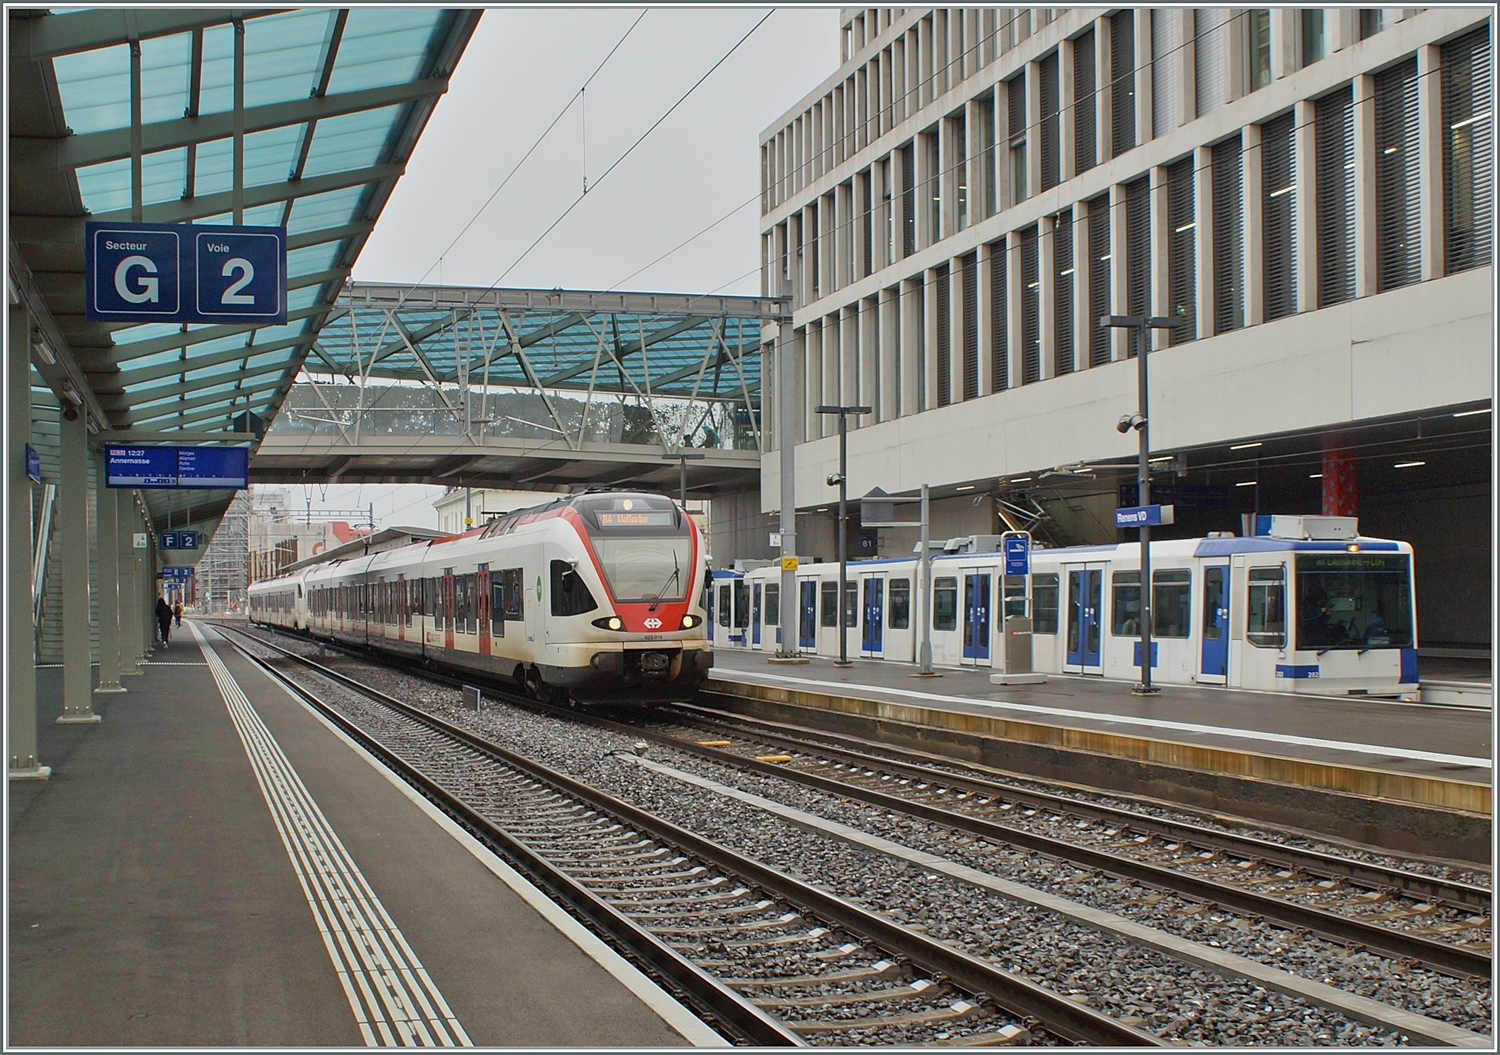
[[909, 200], [1211, 27], [1085, 121], [1122, 81], [1138, 249], [814, 238], [919, 304], [1279, 217], [1062, 293], [1314, 47], [1258, 48], [1031, 346], [867, 221], [1467, 144], [999, 319], [1334, 133], [1371, 21], [1166, 53], [1398, 228], [969, 267], [1015, 94], [1228, 236], [944, 337], [887, 215], [1099, 279], [932, 187], [986, 109], [1051, 145], [1182, 253]]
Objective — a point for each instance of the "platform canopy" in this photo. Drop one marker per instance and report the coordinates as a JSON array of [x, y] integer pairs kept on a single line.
[[296, 118]]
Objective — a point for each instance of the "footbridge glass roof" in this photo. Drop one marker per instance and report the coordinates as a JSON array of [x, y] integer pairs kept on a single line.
[[131, 115]]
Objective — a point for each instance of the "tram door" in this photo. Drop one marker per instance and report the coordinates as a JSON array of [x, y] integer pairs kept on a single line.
[[807, 622], [1085, 619], [976, 626], [872, 639], [449, 595], [481, 602], [1214, 667], [755, 615]]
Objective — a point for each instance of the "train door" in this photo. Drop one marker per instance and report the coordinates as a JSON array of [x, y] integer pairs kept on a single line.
[[1085, 619], [976, 625], [872, 594], [807, 615], [449, 596], [755, 615], [1214, 664], [481, 603]]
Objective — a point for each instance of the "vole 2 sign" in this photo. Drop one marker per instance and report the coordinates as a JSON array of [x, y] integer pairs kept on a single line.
[[185, 273]]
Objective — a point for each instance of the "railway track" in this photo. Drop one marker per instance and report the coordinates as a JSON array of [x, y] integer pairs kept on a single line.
[[778, 960], [999, 825]]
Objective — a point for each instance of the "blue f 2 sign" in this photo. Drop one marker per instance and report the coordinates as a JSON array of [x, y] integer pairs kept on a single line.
[[185, 273]]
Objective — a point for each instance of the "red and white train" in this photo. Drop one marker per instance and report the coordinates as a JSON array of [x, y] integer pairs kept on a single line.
[[598, 597]]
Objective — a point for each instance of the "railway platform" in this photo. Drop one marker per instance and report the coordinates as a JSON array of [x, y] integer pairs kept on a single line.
[[211, 865], [1398, 774]]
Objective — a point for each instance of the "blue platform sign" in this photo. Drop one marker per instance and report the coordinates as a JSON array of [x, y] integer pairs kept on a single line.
[[155, 272], [1017, 555], [216, 468], [177, 572], [33, 463], [179, 540], [1143, 516]]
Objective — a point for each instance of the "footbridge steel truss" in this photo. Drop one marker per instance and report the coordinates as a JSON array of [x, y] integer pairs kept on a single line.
[[527, 389]]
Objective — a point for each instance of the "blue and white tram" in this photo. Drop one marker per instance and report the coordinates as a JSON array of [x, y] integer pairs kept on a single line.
[[597, 595], [1323, 616]]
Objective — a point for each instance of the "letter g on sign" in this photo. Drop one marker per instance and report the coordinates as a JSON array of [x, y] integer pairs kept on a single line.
[[149, 290]]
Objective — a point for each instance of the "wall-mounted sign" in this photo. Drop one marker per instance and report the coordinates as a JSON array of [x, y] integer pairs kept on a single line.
[[177, 467], [33, 463], [140, 539], [179, 540], [178, 572], [156, 272], [1143, 516]]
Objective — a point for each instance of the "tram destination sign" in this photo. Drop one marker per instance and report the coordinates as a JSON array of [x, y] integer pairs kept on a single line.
[[158, 272], [213, 468]]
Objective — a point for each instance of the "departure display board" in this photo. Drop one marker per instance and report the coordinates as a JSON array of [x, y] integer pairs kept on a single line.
[[217, 468]]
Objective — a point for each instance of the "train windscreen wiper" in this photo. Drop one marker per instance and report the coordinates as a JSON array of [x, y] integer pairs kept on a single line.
[[674, 577]]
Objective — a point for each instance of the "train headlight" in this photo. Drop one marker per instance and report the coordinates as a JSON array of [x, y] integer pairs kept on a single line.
[[690, 621], [612, 622]]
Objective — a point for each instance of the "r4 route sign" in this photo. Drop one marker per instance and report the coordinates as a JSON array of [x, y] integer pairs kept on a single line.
[[157, 272]]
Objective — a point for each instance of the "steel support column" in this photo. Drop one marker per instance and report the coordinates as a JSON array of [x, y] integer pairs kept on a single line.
[[128, 564], [107, 589], [786, 442], [73, 554], [20, 671]]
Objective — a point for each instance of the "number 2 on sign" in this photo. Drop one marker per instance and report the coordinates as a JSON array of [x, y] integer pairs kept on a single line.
[[232, 295]]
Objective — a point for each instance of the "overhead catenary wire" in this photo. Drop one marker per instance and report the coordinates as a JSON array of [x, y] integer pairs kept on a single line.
[[605, 175], [687, 241]]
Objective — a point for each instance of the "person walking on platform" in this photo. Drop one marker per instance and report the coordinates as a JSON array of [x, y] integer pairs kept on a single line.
[[177, 614], [163, 618]]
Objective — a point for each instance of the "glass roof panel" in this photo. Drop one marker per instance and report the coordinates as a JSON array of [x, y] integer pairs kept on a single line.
[[350, 141], [106, 187], [311, 260], [319, 211], [382, 46], [95, 88]]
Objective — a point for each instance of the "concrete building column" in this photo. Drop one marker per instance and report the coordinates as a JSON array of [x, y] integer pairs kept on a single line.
[[1203, 237], [20, 676], [1067, 118], [1119, 338], [1161, 233], [72, 528], [1364, 185], [1430, 158], [1104, 93], [1145, 70], [889, 355], [910, 310], [1251, 214], [1306, 204], [1033, 129], [107, 589]]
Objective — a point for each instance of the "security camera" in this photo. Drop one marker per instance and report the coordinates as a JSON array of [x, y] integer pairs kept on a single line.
[[1128, 422], [834, 479], [70, 413]]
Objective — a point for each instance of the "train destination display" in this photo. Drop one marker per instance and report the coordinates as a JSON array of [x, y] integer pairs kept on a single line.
[[226, 468]]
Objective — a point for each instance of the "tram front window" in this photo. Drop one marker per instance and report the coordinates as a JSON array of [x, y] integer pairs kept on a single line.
[[1354, 601]]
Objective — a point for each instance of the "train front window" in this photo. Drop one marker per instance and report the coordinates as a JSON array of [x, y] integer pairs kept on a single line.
[[1354, 601], [644, 545]]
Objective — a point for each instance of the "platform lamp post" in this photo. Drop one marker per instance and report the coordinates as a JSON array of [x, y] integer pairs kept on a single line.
[[842, 479], [1139, 326], [682, 457]]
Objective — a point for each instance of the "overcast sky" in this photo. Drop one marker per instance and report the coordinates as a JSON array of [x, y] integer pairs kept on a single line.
[[521, 68]]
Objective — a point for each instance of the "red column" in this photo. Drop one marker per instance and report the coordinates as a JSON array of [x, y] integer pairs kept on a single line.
[[1340, 484]]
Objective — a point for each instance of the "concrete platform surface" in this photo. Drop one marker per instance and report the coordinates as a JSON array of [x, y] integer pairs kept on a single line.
[[154, 899], [1455, 743]]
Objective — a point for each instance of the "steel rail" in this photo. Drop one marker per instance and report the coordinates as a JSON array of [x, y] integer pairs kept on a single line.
[[1324, 865], [1019, 996]]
